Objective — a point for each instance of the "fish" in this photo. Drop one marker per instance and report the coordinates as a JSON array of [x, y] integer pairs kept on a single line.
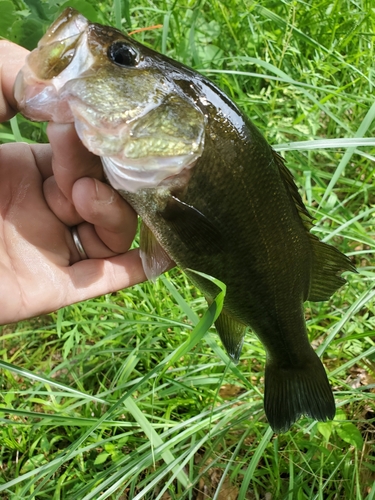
[[213, 195]]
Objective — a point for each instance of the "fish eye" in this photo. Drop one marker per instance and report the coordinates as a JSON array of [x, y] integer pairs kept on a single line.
[[123, 54]]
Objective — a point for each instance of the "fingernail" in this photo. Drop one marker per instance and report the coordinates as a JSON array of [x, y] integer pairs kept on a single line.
[[105, 194]]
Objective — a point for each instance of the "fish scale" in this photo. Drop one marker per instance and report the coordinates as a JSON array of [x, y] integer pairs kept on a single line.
[[213, 195]]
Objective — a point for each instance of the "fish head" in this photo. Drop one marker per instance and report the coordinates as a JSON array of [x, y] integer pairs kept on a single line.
[[121, 96]]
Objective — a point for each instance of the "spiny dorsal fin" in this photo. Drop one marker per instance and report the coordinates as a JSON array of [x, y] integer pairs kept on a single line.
[[288, 179]]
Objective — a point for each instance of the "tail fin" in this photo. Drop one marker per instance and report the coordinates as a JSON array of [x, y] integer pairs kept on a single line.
[[291, 392]]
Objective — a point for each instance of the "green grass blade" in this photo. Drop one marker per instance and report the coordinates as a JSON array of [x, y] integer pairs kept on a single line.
[[362, 130], [249, 474]]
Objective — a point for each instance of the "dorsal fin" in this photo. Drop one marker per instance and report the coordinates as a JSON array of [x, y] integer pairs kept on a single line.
[[290, 184], [327, 262], [327, 265]]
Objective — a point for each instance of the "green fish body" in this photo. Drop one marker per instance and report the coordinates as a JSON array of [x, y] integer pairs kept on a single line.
[[212, 194]]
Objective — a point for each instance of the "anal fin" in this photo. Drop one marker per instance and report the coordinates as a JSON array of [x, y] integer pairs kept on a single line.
[[232, 334]]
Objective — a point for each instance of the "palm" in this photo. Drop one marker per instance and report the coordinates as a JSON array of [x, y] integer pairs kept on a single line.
[[40, 268], [33, 242]]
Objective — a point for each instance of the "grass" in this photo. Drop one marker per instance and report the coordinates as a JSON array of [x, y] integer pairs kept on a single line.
[[127, 396]]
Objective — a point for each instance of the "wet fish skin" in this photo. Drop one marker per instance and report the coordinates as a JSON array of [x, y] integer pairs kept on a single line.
[[233, 210]]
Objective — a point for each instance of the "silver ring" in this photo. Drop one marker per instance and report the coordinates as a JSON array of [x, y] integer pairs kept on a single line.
[[78, 243]]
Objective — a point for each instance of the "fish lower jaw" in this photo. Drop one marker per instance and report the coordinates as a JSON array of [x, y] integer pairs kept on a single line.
[[133, 176], [40, 102]]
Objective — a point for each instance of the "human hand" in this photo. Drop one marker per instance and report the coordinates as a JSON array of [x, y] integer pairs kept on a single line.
[[43, 192]]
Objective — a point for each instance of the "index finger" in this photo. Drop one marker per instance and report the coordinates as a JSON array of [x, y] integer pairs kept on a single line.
[[70, 159], [12, 58]]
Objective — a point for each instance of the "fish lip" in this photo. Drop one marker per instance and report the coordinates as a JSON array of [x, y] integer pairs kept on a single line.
[[39, 91], [38, 84], [70, 22], [61, 42]]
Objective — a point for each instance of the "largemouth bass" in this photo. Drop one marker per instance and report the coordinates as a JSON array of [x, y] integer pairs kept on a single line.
[[212, 194]]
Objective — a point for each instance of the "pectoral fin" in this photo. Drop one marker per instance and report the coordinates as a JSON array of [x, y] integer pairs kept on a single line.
[[193, 228], [232, 334], [155, 259]]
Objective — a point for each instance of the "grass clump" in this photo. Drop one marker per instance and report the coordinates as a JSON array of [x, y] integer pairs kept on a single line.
[[125, 397]]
